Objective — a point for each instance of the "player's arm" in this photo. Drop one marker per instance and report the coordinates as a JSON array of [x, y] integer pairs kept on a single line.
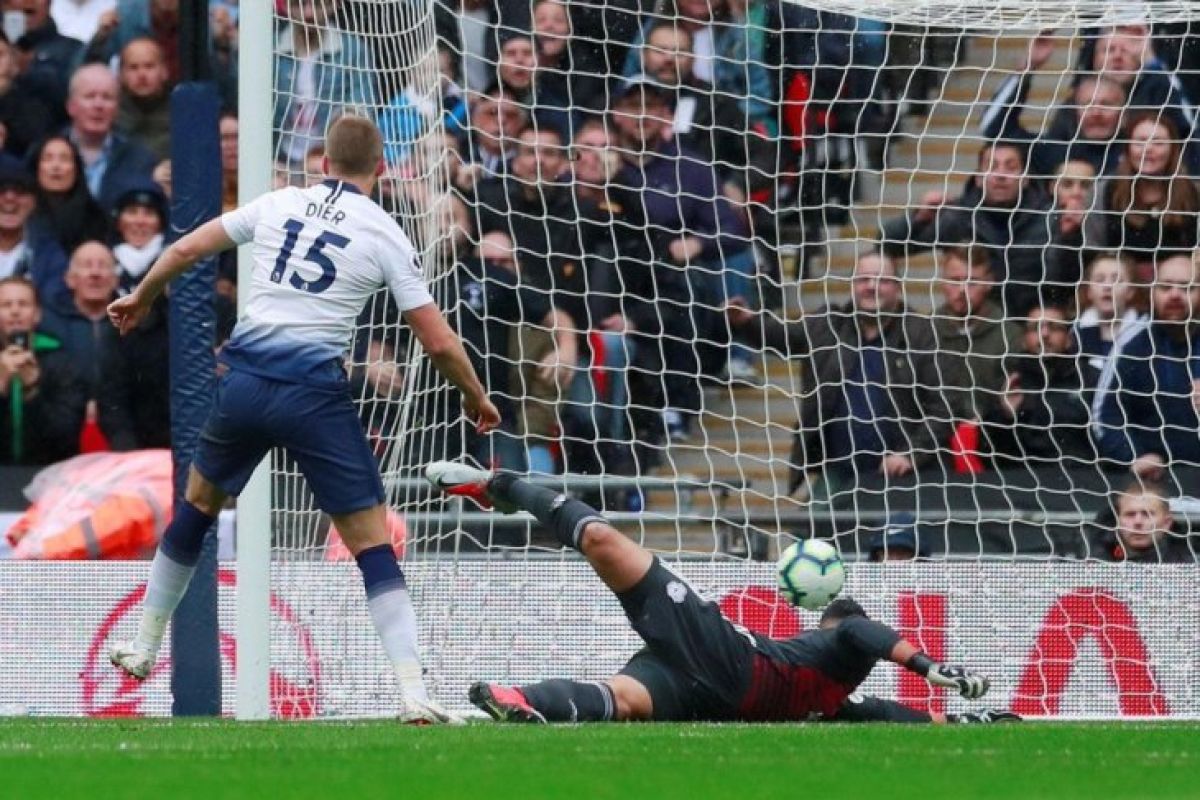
[[207, 240], [447, 354], [865, 708], [968, 684], [879, 640]]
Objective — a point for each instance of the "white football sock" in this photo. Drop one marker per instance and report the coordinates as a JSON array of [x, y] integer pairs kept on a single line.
[[164, 589], [396, 621]]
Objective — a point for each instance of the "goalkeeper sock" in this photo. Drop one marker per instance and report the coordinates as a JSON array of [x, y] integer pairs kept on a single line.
[[170, 573], [392, 612], [563, 515], [572, 701]]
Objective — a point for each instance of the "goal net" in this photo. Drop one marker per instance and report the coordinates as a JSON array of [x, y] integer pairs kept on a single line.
[[915, 277]]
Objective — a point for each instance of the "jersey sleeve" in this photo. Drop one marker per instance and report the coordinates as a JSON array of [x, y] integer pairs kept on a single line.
[[240, 223], [402, 272], [868, 636]]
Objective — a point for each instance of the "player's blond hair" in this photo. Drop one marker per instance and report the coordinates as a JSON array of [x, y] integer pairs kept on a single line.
[[353, 146]]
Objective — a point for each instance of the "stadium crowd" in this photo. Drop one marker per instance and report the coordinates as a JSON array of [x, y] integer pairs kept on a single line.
[[620, 183]]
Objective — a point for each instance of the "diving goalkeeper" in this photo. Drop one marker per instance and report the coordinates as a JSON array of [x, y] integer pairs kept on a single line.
[[697, 665]]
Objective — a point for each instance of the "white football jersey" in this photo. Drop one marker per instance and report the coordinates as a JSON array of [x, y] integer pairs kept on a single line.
[[319, 254]]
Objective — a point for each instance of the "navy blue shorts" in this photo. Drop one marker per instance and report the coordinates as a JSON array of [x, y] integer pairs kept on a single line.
[[319, 427]]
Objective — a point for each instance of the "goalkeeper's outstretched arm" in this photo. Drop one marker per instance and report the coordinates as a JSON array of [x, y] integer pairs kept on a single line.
[[879, 640]]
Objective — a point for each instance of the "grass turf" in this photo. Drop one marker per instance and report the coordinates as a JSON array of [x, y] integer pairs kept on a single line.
[[222, 759]]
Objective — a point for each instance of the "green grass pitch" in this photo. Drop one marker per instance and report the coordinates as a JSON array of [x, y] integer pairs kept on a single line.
[[58, 759]]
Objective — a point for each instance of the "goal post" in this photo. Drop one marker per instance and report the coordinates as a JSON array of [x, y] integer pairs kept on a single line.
[[253, 522], [829, 126]]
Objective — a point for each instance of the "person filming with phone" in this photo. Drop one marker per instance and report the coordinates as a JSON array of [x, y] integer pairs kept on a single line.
[[42, 397]]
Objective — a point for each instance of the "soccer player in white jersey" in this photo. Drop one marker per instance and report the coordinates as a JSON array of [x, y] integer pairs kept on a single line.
[[319, 254]]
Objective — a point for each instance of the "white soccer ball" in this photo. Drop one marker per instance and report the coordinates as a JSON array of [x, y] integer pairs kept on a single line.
[[811, 573]]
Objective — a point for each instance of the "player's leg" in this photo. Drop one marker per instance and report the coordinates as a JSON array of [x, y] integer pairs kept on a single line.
[[332, 453], [617, 560], [365, 536], [230, 447], [621, 698], [170, 573]]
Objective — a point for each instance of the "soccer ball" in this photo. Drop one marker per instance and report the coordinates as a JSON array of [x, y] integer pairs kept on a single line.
[[810, 573]]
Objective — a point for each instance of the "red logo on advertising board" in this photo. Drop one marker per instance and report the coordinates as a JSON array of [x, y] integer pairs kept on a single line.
[[107, 692], [1076, 616]]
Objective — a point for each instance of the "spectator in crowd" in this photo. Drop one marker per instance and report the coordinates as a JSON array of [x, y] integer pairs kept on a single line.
[[26, 251], [497, 119], [973, 336], [468, 27], [159, 20], [1147, 414], [1150, 204], [111, 161], [694, 235], [871, 403], [24, 116], [898, 541], [707, 122], [42, 398], [1041, 417], [540, 212], [1085, 127], [409, 114], [619, 294], [1108, 312], [1003, 211], [228, 131], [134, 394], [1141, 527], [743, 62], [79, 19], [65, 208], [379, 385], [81, 322], [1074, 196], [559, 72], [144, 111], [700, 18], [493, 304], [141, 222], [320, 72], [521, 77], [1124, 53], [227, 262], [47, 57]]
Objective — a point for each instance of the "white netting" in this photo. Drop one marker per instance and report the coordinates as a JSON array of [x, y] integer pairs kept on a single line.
[[587, 225]]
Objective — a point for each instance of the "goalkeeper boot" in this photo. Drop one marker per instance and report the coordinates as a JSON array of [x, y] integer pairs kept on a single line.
[[503, 704], [131, 660], [985, 717], [463, 480], [426, 712]]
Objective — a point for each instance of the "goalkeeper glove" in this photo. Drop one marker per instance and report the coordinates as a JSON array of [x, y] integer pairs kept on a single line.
[[984, 717], [968, 684]]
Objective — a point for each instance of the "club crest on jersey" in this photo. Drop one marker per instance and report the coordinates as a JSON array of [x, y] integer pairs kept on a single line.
[[677, 591]]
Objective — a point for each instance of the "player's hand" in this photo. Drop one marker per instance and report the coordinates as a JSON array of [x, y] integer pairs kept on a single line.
[[966, 683], [482, 413], [126, 312]]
